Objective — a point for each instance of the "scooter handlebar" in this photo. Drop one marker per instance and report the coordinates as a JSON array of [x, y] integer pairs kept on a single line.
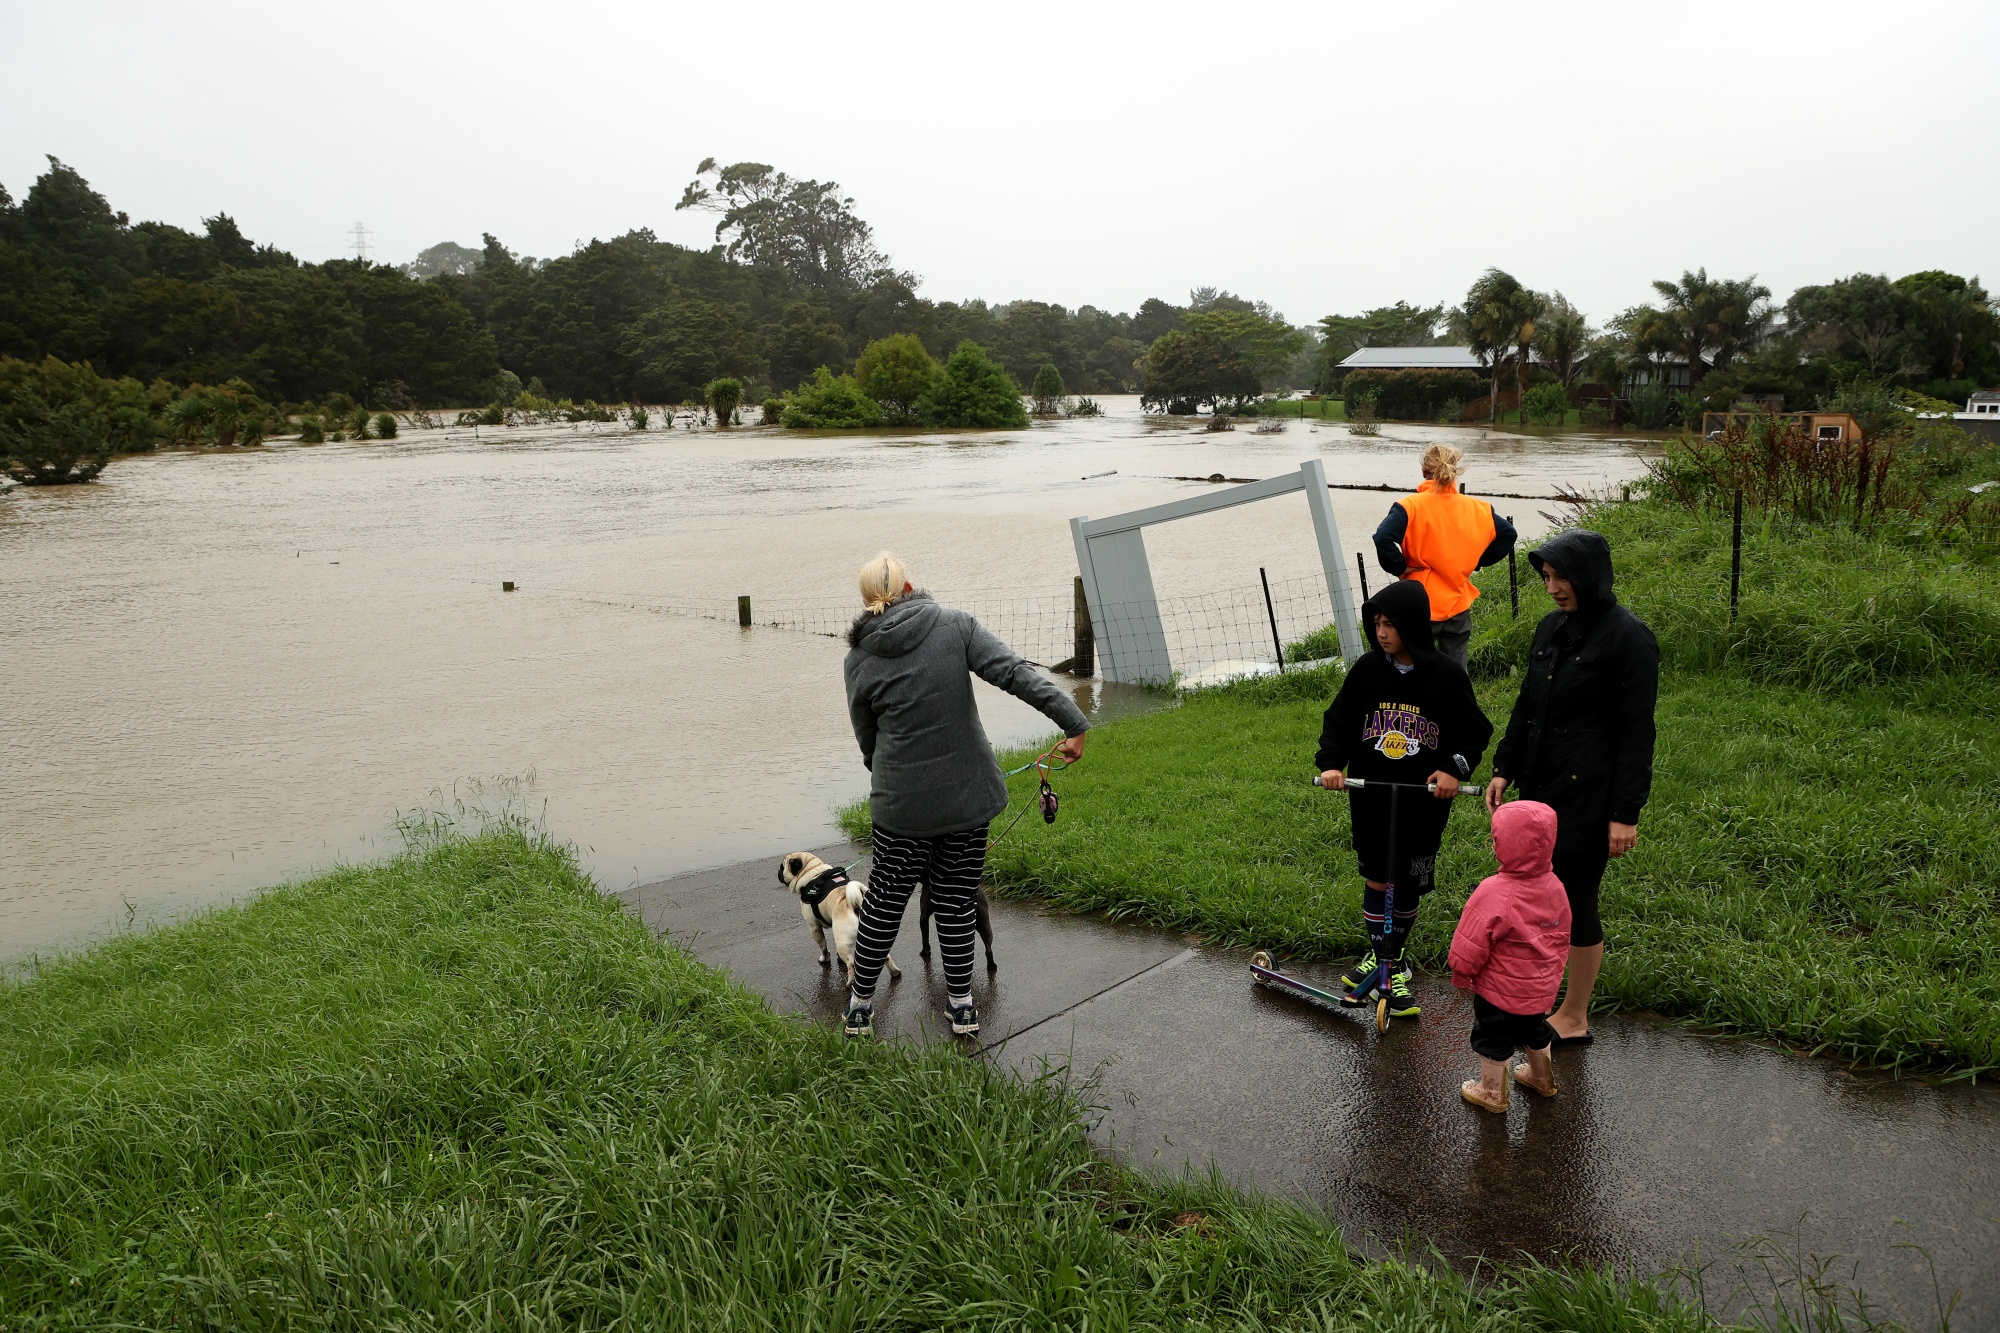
[[1362, 784]]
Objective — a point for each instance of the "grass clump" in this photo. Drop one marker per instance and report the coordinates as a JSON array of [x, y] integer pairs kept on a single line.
[[461, 1089]]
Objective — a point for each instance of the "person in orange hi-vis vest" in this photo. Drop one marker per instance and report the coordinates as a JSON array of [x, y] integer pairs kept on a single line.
[[1438, 537]]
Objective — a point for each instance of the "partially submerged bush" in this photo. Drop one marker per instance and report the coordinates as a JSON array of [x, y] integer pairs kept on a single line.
[[221, 415], [898, 373], [311, 430], [1085, 407], [61, 422], [975, 390], [1412, 395], [830, 402], [1048, 391], [385, 426], [357, 423], [723, 395], [638, 417]]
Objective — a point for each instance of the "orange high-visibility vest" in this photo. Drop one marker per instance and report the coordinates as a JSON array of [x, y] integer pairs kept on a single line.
[[1447, 534]]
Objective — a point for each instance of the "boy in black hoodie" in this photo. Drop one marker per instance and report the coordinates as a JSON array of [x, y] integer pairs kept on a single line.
[[1405, 714]]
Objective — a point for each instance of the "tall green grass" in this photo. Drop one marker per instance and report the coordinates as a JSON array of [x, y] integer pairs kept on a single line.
[[461, 1089], [1819, 605]]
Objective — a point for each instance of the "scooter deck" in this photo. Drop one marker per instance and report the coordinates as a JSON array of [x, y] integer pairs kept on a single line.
[[1263, 973]]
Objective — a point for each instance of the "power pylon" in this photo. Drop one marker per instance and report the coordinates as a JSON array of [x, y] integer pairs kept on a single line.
[[361, 246]]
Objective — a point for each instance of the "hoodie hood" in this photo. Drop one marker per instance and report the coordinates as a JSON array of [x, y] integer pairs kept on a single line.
[[1524, 836], [1408, 606], [897, 630], [1584, 558]]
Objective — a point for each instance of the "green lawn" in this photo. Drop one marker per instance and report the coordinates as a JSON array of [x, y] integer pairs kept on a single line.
[[1820, 862], [463, 1090]]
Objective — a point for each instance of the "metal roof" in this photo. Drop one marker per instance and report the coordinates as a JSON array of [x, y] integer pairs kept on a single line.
[[1408, 358]]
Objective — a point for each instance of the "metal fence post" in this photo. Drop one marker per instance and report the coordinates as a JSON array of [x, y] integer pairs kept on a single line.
[[1361, 568], [1085, 639], [1276, 642], [1735, 554], [1514, 582]]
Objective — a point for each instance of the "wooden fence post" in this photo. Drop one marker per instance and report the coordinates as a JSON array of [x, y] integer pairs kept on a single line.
[[743, 612]]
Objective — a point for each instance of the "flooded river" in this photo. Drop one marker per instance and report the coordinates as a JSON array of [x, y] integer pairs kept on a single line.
[[229, 669]]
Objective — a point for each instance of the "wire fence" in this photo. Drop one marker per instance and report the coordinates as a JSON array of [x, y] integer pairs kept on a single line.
[[1205, 638]]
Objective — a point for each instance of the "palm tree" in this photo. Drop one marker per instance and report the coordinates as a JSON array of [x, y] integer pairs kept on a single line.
[[1561, 335], [1527, 308], [1490, 323], [1700, 314]]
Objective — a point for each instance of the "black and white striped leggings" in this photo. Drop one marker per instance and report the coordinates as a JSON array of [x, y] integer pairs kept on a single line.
[[951, 864]]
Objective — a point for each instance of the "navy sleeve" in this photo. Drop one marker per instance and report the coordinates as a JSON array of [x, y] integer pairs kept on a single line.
[[1503, 541], [1389, 540]]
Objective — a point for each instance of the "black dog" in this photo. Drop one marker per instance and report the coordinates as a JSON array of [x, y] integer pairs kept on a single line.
[[983, 919]]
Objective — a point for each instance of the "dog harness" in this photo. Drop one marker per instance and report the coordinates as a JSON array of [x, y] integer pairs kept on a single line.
[[813, 892]]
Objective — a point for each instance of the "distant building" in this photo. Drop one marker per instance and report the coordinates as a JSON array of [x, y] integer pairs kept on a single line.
[[1823, 427], [1411, 358], [1981, 416]]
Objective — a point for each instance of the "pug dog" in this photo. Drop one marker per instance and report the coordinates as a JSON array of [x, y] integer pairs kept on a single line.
[[829, 902]]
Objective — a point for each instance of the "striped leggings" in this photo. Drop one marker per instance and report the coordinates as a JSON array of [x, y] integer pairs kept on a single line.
[[951, 865]]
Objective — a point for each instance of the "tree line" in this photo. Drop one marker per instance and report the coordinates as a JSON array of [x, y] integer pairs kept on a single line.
[[138, 316]]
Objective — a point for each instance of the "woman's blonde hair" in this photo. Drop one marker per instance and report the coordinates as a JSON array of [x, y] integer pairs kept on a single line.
[[1441, 464], [882, 582]]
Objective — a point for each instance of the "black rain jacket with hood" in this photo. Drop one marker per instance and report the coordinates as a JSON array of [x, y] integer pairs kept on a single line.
[[1581, 734], [909, 695], [1401, 726]]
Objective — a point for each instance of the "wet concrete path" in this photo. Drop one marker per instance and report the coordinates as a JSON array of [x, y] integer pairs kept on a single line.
[[1665, 1148]]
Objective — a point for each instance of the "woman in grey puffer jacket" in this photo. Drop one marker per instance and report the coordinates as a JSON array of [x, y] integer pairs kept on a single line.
[[936, 785]]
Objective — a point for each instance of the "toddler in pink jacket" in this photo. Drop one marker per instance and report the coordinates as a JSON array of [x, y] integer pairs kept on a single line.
[[1509, 950]]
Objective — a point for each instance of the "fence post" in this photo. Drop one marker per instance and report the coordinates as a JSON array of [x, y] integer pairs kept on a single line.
[[1513, 581], [743, 612], [1276, 642], [1861, 490], [1735, 554], [1085, 641], [1361, 567]]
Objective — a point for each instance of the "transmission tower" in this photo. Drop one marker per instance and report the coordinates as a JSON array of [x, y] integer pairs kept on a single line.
[[361, 246]]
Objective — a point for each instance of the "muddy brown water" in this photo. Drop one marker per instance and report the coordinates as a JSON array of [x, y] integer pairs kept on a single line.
[[227, 669]]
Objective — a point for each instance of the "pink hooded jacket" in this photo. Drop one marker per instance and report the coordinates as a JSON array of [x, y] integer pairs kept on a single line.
[[1513, 937]]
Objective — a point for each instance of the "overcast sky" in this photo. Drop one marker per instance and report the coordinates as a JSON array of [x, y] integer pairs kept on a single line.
[[1321, 156]]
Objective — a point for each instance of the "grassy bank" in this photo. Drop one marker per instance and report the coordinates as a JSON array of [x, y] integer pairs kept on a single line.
[[1324, 409], [461, 1089], [1820, 862]]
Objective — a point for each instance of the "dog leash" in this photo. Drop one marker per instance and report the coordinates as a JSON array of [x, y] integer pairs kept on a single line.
[[1044, 763]]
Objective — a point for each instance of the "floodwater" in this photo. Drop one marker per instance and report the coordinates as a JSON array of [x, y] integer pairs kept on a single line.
[[228, 669]]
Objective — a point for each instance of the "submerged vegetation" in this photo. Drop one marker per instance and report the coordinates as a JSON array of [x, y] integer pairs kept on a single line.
[[462, 1089]]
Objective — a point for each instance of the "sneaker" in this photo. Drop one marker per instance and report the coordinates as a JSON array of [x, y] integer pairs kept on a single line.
[[860, 1021], [1402, 1001], [1358, 974], [964, 1020]]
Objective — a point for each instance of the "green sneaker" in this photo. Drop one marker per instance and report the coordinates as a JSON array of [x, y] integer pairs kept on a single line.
[[1358, 974], [1402, 1001]]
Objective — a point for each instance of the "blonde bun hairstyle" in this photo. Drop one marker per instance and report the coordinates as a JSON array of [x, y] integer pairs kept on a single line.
[[1441, 464], [882, 582]]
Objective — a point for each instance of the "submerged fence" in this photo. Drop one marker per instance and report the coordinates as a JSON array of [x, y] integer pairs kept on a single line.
[[1210, 636]]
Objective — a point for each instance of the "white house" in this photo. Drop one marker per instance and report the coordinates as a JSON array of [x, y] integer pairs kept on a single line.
[[1412, 358], [1985, 403]]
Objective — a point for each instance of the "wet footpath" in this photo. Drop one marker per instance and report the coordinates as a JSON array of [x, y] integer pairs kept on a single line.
[[1665, 1150]]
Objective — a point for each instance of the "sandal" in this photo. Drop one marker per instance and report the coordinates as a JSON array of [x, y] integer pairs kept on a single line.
[[1470, 1091], [1540, 1090]]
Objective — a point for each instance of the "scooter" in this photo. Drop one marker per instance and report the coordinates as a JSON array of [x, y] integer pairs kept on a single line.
[[1263, 971]]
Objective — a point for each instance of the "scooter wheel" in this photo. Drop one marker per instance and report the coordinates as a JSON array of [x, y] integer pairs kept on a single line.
[[1261, 959], [1382, 1014]]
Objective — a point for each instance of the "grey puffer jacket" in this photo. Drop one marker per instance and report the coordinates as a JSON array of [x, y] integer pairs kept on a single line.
[[909, 696]]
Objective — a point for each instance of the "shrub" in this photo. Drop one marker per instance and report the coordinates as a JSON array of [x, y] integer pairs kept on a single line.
[[49, 444], [1412, 395], [774, 410], [1048, 391], [830, 402], [1657, 406], [61, 421], [1595, 413], [1361, 411], [898, 373], [220, 415], [1085, 407], [638, 417], [1546, 404], [311, 431], [494, 414], [1451, 410], [357, 423], [975, 390], [385, 426], [723, 396]]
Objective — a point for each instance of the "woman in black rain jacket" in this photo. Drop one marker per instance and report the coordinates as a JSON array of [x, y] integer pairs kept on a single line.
[[1581, 739]]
